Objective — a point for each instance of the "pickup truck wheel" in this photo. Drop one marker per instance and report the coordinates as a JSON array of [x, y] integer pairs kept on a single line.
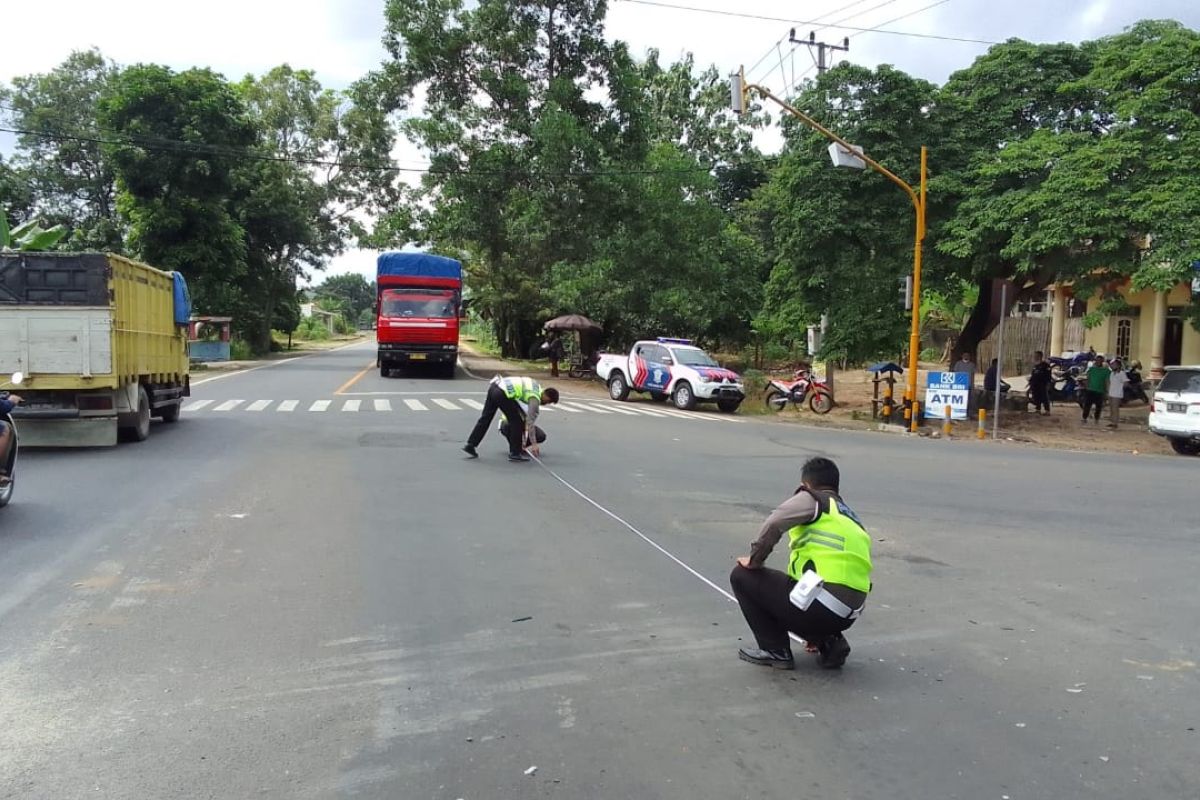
[[618, 389], [728, 406], [682, 397], [1186, 447], [658, 397]]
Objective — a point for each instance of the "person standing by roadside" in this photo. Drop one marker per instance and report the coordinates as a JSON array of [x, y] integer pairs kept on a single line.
[[1096, 381], [1116, 392], [1039, 383], [965, 364]]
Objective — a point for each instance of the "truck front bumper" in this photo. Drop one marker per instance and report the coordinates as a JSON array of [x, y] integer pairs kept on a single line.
[[720, 391], [396, 353]]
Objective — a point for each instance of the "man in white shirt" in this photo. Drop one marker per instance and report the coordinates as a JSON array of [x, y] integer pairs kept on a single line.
[[1116, 392]]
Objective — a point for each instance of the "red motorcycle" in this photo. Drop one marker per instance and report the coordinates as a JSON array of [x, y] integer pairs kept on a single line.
[[802, 387]]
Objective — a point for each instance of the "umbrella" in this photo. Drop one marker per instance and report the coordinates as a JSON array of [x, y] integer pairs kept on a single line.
[[572, 322]]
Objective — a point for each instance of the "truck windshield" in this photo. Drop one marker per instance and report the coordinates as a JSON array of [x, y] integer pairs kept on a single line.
[[425, 303], [694, 358]]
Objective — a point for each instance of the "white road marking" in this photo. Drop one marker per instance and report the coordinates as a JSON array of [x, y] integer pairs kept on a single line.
[[383, 404], [259, 405], [617, 410], [597, 409], [287, 405], [351, 405], [446, 404], [565, 407], [415, 405], [229, 405], [196, 405], [319, 405], [469, 403], [648, 412]]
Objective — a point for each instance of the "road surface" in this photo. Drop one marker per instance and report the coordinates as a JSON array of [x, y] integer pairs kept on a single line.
[[311, 593]]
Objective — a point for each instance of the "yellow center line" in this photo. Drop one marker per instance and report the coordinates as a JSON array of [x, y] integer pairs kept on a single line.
[[355, 379]]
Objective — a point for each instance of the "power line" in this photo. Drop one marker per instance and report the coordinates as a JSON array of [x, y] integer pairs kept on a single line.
[[824, 16], [903, 16], [860, 30], [200, 149]]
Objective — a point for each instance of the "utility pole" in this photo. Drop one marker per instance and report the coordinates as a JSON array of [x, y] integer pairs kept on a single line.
[[822, 65], [822, 47]]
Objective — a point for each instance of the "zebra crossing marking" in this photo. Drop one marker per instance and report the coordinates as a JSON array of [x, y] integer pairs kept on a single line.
[[414, 404]]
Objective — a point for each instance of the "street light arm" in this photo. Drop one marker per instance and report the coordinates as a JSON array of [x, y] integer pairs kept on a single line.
[[828, 134]]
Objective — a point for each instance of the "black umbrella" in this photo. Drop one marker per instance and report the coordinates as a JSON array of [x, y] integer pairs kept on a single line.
[[572, 322]]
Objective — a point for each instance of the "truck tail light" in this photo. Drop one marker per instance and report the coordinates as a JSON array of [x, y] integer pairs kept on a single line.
[[94, 402]]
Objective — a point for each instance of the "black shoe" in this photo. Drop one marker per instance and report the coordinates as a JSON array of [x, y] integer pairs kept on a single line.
[[832, 652], [517, 457], [470, 450], [779, 659]]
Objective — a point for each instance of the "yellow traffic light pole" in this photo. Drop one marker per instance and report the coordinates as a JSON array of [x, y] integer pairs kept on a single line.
[[741, 91]]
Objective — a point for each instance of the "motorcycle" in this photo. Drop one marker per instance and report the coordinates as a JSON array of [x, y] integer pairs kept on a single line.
[[8, 458], [1135, 388], [802, 386], [1061, 366]]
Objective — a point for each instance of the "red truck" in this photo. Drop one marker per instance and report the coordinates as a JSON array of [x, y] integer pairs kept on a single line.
[[418, 303]]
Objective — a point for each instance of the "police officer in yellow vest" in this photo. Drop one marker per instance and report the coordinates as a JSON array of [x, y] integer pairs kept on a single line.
[[827, 580], [520, 399]]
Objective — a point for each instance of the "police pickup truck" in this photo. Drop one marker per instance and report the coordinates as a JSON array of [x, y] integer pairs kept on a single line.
[[673, 368]]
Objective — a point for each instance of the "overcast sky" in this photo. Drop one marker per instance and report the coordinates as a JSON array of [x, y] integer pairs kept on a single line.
[[340, 39]]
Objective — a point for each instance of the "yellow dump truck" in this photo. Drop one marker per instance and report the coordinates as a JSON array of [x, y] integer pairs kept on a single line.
[[101, 340]]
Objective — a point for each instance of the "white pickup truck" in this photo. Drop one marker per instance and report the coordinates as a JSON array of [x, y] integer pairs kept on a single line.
[[673, 368]]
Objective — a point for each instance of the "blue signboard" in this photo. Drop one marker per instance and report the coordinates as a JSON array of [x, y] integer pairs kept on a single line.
[[947, 389]]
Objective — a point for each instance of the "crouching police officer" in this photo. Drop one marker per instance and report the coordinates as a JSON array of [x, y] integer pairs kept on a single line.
[[827, 580], [520, 400]]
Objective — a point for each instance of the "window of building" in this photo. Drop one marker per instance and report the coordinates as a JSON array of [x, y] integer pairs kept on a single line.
[[1124, 338]]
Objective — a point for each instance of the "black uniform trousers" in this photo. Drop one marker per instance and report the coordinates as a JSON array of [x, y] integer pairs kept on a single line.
[[763, 596], [497, 400]]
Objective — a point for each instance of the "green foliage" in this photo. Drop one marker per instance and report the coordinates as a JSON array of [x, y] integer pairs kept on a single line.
[[350, 293], [240, 350], [69, 181], [29, 236]]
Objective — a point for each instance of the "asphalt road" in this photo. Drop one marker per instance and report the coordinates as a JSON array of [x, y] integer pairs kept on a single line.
[[279, 602]]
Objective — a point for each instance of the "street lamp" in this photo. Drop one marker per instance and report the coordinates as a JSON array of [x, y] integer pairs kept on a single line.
[[852, 156]]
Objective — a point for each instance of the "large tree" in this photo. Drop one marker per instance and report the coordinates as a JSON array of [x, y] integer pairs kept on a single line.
[[837, 241], [177, 141], [59, 152]]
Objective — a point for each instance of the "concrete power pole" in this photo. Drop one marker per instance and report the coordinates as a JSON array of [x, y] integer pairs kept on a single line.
[[822, 47], [822, 65]]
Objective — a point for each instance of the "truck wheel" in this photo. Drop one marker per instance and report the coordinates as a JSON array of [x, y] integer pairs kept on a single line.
[[682, 397], [728, 406], [170, 413], [140, 430], [1186, 447], [618, 389], [447, 370], [385, 371]]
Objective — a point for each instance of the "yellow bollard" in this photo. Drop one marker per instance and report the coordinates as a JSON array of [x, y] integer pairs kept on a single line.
[[947, 423], [982, 424], [915, 423]]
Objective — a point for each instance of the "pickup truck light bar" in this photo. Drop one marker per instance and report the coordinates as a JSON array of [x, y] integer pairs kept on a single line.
[[669, 340]]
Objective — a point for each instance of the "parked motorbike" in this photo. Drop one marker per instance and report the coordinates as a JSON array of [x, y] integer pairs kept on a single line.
[[1061, 366], [1135, 388], [803, 386], [8, 458]]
